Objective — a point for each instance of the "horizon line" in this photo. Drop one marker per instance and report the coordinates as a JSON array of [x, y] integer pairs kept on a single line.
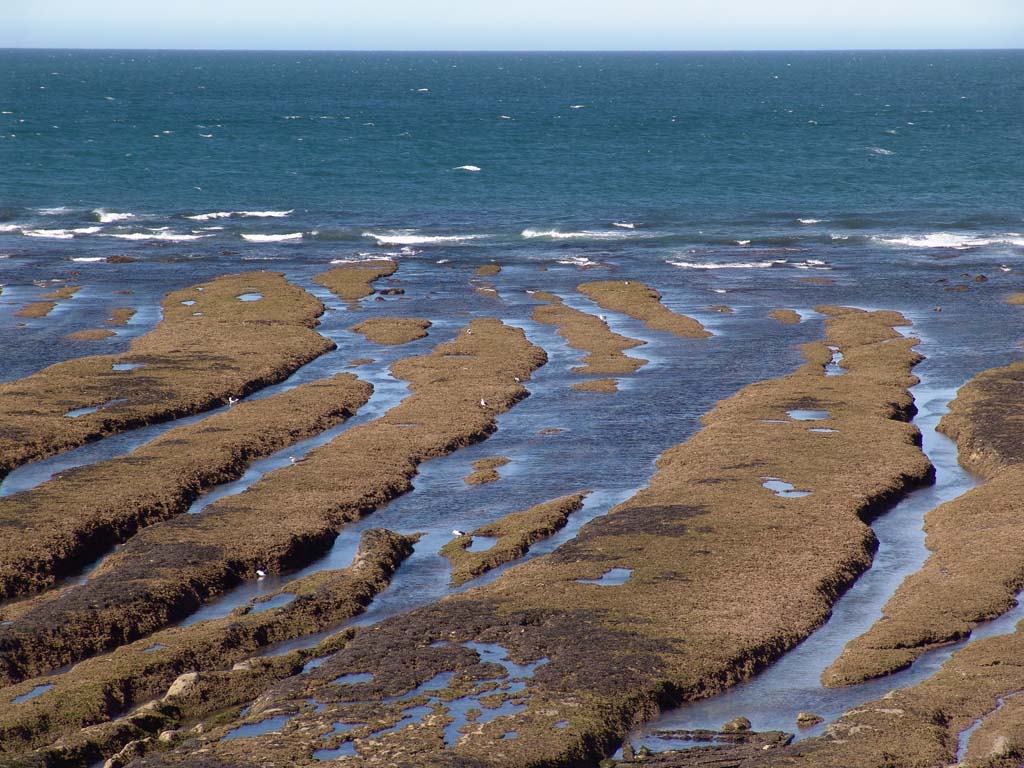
[[515, 50]]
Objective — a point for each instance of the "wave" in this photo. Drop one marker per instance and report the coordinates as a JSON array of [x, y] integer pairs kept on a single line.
[[240, 214], [159, 235], [809, 221], [624, 224], [57, 211], [87, 259], [579, 261], [742, 242], [727, 265], [10, 227], [272, 238], [109, 217], [880, 151], [334, 235], [960, 242], [586, 234], [60, 234], [474, 168], [412, 239]]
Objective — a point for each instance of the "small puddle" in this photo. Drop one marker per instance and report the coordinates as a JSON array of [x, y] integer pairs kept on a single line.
[[481, 543], [783, 489], [832, 368], [157, 647], [804, 415], [312, 664], [347, 749], [614, 578], [37, 691], [353, 679], [92, 409], [340, 728], [270, 725], [127, 366], [277, 601], [250, 297]]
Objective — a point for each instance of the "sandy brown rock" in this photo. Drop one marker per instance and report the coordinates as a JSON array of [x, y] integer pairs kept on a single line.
[[637, 300], [722, 308], [515, 533], [36, 309], [119, 259], [392, 330], [785, 316], [55, 528], [487, 270], [590, 334], [62, 292], [121, 316], [171, 664], [816, 280], [486, 470], [360, 361], [1015, 299], [91, 334], [723, 576], [287, 518], [352, 282], [597, 385], [192, 362]]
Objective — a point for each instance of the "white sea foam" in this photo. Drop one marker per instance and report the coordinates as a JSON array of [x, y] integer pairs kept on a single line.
[[206, 135], [742, 242], [839, 237], [88, 259], [960, 242], [505, 117], [407, 238], [880, 151], [60, 234], [624, 224], [272, 238], [578, 261], [240, 214], [809, 221], [10, 227], [55, 211], [473, 168], [727, 265], [162, 235], [109, 217], [587, 234], [577, 106]]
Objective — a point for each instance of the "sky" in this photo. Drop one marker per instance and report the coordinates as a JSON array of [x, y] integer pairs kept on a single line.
[[512, 24]]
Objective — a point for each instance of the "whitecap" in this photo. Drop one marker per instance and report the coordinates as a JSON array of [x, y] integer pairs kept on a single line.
[[726, 265], [109, 217], [588, 234], [880, 151], [272, 238], [415, 239], [809, 221], [467, 168], [578, 261], [422, 90], [742, 242], [839, 237], [10, 227], [162, 235], [624, 224], [958, 242], [54, 211], [504, 117], [240, 214], [88, 259], [206, 135], [60, 234], [577, 106]]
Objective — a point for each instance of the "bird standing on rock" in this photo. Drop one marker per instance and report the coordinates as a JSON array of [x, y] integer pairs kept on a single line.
[[457, 532]]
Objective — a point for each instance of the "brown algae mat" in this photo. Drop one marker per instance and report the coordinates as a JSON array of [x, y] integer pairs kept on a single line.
[[63, 292], [486, 470], [638, 301], [392, 330], [351, 282], [977, 540], [785, 316], [36, 309], [514, 533], [1015, 299], [55, 528], [693, 584], [209, 346], [589, 334], [121, 316], [286, 519], [487, 270], [104, 687]]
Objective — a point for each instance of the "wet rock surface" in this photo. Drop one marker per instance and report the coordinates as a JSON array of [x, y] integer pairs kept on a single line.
[[393, 330], [638, 300], [352, 282]]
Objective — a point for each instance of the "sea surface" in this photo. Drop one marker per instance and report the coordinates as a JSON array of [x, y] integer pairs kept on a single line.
[[894, 180]]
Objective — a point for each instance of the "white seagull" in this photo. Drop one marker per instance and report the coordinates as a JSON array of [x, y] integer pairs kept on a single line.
[[232, 400], [483, 403], [260, 572], [293, 460], [457, 532]]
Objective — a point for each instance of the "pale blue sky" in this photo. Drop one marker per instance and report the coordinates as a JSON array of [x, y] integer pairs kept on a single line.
[[513, 24]]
